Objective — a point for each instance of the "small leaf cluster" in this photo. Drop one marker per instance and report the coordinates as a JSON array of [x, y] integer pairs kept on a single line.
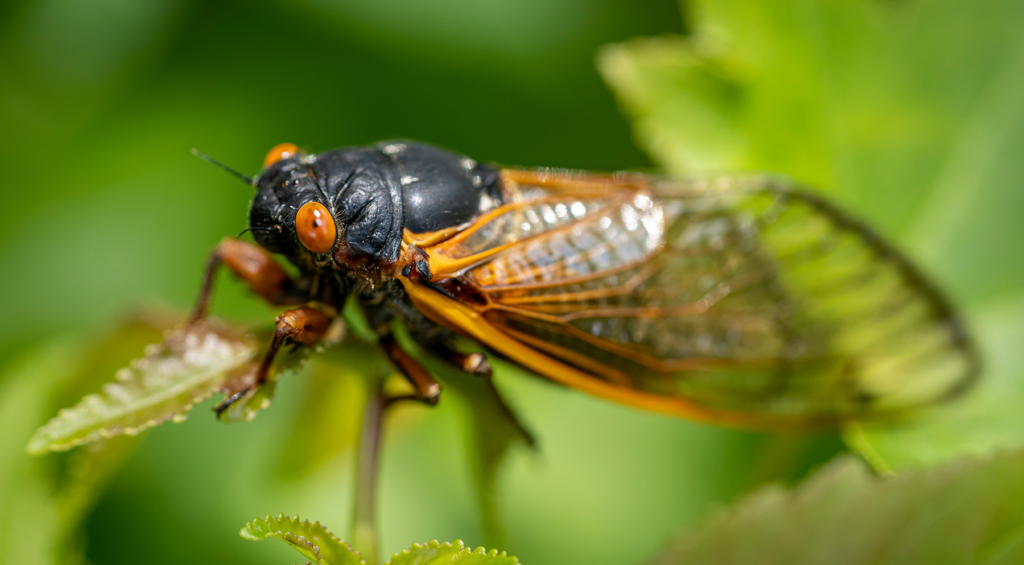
[[322, 547]]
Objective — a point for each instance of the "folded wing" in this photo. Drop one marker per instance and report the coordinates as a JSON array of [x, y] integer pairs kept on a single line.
[[731, 299]]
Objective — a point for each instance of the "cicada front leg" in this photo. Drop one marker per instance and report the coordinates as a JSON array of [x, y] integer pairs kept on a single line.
[[303, 326], [254, 266]]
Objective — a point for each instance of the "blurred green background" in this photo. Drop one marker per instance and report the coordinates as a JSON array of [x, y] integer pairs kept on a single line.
[[106, 211]]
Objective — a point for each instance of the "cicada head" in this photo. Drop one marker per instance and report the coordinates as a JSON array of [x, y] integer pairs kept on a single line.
[[334, 211]]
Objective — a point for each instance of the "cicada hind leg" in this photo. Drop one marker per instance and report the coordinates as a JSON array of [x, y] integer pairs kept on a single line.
[[476, 364], [427, 389]]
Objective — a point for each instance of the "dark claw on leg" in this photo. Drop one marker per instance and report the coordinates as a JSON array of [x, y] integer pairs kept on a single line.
[[231, 400]]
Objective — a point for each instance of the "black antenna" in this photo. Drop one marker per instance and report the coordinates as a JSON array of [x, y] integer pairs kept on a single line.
[[257, 228], [247, 179]]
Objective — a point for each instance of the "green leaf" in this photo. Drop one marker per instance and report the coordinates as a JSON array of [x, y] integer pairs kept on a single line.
[[454, 553], [312, 540], [45, 499], [191, 364], [868, 99], [83, 474], [909, 113], [970, 511], [111, 351], [320, 546], [355, 321]]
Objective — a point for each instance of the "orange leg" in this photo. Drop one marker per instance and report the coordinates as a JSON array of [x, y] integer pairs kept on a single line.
[[304, 325], [256, 268], [427, 389]]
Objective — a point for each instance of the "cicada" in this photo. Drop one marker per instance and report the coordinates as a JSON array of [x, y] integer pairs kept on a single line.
[[741, 300]]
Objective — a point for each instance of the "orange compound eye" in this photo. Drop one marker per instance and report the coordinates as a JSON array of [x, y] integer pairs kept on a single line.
[[280, 151], [315, 227]]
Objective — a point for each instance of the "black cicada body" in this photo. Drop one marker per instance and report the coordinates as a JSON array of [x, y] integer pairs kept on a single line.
[[739, 300]]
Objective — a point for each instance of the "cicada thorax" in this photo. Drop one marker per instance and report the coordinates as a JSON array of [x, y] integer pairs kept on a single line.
[[374, 195]]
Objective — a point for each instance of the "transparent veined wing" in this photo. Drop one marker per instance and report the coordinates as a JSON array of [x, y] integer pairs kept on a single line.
[[733, 299]]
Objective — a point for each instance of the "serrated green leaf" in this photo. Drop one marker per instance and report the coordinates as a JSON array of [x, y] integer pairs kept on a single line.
[[190, 365], [82, 474], [111, 351], [312, 540], [45, 499], [970, 511], [909, 113], [454, 553]]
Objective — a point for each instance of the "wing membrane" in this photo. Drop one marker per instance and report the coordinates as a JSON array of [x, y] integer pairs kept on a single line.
[[731, 298]]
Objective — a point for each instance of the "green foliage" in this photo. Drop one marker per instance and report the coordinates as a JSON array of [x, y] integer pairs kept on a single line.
[[322, 547], [27, 509], [455, 553], [312, 540], [970, 511], [81, 475], [909, 113], [190, 365], [770, 85]]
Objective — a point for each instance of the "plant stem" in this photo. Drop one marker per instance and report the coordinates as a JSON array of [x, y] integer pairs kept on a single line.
[[364, 532]]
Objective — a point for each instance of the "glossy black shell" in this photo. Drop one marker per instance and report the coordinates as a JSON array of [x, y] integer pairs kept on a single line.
[[374, 193]]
